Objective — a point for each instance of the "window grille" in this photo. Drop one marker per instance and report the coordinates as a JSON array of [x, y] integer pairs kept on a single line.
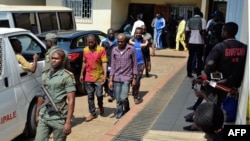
[[82, 10]]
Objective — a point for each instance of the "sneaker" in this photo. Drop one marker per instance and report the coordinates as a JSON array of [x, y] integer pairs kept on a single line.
[[91, 117]]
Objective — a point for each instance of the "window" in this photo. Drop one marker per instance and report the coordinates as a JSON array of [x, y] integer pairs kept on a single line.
[[48, 21], [66, 22], [185, 10], [4, 23], [82, 10], [26, 21], [30, 47]]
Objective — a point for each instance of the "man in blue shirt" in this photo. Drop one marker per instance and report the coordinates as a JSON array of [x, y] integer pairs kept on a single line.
[[138, 42], [159, 25], [109, 43]]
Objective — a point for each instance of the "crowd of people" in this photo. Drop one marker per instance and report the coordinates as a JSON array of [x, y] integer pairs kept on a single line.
[[116, 65], [220, 63]]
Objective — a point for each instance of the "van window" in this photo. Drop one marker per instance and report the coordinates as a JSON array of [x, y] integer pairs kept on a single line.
[[48, 21], [30, 47], [66, 22], [29, 22], [4, 23], [1, 59]]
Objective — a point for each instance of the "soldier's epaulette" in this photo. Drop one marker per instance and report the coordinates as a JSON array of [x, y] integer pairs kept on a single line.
[[69, 72], [45, 70], [71, 75]]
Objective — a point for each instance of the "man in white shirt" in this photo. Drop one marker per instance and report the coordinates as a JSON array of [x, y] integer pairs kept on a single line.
[[138, 23], [195, 35]]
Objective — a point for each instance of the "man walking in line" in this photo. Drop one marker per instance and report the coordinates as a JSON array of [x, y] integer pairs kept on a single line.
[[94, 74], [146, 50], [139, 43], [124, 70], [109, 43]]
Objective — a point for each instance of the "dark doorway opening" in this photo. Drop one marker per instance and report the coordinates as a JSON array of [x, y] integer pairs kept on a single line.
[[147, 11]]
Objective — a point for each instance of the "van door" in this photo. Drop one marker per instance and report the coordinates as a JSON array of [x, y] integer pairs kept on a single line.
[[8, 107], [30, 46]]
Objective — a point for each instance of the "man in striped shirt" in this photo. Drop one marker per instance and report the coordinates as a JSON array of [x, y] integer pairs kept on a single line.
[[123, 72]]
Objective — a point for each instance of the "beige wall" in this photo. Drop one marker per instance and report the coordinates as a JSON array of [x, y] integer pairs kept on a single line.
[[23, 2], [55, 2], [194, 2], [101, 16], [113, 13], [119, 13]]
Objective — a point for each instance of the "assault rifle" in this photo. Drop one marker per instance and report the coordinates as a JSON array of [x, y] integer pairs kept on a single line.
[[48, 101]]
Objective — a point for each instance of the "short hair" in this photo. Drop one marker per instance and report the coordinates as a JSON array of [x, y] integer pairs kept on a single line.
[[231, 28], [12, 41], [209, 117], [60, 52], [122, 36], [138, 28], [91, 36], [110, 29], [197, 11]]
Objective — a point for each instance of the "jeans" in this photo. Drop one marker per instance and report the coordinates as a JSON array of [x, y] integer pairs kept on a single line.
[[93, 88], [121, 90], [158, 39]]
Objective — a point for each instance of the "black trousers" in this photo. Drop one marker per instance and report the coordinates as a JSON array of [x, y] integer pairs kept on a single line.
[[192, 50]]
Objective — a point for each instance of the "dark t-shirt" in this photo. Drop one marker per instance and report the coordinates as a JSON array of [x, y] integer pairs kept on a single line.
[[109, 48], [229, 57]]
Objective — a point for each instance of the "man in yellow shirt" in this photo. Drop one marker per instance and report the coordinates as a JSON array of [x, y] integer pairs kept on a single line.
[[180, 36], [16, 44]]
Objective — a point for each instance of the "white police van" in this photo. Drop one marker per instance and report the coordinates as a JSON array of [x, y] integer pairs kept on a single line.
[[18, 88]]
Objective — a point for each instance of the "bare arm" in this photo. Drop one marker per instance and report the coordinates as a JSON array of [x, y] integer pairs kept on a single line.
[[145, 44], [39, 103], [71, 106], [34, 64], [111, 78], [104, 66], [131, 42], [82, 72]]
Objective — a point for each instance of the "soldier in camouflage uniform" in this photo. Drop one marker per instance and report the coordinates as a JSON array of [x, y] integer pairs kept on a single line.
[[51, 46], [60, 84]]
